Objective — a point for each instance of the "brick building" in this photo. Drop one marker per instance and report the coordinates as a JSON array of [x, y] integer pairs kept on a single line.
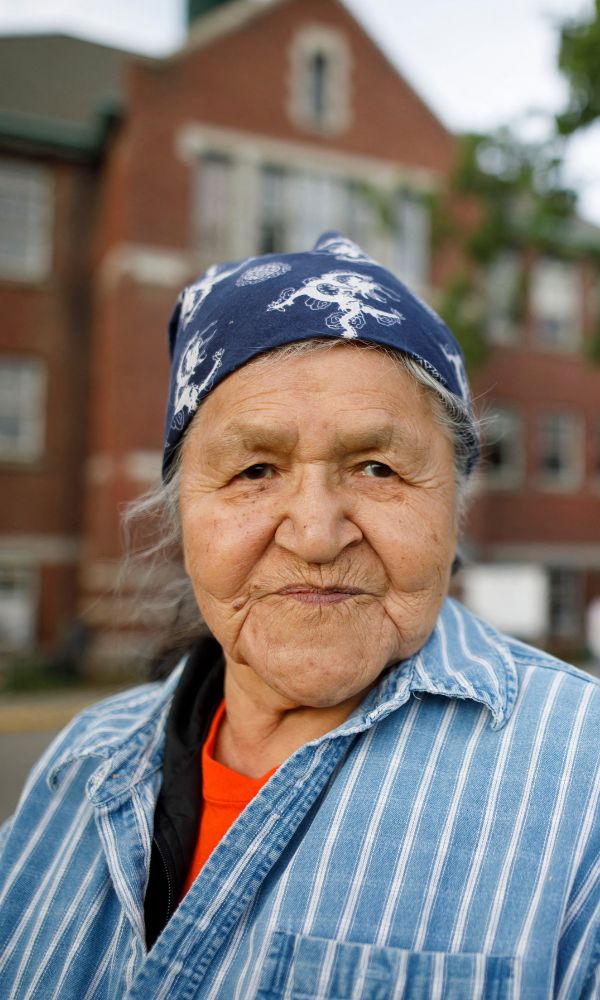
[[276, 121], [539, 500], [51, 139]]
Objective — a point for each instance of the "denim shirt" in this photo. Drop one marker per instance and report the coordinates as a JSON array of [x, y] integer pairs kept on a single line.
[[443, 842]]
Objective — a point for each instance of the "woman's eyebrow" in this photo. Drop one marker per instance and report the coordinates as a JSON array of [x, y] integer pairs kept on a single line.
[[389, 437], [249, 437]]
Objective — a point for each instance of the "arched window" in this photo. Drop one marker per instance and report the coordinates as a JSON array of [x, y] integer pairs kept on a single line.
[[320, 80], [318, 71]]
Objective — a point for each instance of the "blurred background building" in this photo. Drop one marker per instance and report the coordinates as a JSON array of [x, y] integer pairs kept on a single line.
[[123, 177]]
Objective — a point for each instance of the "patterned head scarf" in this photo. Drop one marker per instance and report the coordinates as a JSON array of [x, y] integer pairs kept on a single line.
[[238, 310]]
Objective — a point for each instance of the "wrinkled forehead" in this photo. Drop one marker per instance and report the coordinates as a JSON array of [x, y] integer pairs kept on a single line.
[[357, 396]]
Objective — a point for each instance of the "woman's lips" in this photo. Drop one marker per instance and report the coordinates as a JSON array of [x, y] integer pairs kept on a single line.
[[320, 595]]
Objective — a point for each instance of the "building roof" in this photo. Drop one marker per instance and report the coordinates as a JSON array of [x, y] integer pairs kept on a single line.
[[58, 90], [63, 92]]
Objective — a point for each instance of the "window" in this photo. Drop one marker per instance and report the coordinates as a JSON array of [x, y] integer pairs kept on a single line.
[[318, 83], [320, 80], [504, 452], [560, 449], [555, 303], [565, 603], [361, 222], [22, 409], [25, 221], [272, 211], [502, 295], [215, 206], [18, 605], [411, 242], [318, 203], [244, 206]]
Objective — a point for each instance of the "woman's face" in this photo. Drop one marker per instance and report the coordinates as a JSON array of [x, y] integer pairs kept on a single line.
[[319, 521]]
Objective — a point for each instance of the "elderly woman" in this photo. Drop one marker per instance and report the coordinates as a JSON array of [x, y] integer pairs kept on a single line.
[[353, 788]]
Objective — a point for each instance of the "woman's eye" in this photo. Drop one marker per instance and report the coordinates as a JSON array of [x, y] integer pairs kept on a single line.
[[261, 471], [377, 470]]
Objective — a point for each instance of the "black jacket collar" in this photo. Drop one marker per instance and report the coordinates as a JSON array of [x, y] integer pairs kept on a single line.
[[198, 694]]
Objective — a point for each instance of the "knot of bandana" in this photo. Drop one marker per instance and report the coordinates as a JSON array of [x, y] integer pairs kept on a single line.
[[238, 310]]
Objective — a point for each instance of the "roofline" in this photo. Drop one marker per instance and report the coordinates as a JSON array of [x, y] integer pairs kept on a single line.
[[223, 21], [65, 35], [397, 70], [73, 140]]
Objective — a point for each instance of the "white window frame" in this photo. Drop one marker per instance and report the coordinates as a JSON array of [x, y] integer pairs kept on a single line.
[[339, 177], [26, 208], [569, 581], [501, 289], [312, 42], [26, 577], [214, 184], [570, 477], [23, 399], [511, 475], [556, 302], [272, 208], [318, 202], [412, 239]]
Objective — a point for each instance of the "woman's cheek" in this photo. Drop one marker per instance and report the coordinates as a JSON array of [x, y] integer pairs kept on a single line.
[[223, 547]]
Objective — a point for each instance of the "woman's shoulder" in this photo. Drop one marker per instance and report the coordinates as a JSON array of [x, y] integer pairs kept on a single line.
[[550, 667], [108, 724], [123, 725]]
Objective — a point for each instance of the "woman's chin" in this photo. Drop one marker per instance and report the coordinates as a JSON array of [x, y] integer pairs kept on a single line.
[[319, 671]]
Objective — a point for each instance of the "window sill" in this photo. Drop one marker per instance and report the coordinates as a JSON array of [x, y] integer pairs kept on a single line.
[[564, 486]]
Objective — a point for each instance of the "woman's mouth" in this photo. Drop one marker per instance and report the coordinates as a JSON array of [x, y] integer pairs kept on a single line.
[[319, 595]]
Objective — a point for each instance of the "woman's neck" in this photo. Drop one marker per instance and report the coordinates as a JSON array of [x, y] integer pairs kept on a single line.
[[261, 729]]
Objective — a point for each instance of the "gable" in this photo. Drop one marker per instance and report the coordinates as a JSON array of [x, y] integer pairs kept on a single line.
[[237, 70]]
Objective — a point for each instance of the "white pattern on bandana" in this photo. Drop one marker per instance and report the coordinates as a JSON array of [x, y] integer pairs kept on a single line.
[[350, 293], [262, 272], [196, 294], [342, 248], [459, 370], [187, 394]]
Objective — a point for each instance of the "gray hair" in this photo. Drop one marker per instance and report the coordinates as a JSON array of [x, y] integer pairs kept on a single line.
[[154, 565]]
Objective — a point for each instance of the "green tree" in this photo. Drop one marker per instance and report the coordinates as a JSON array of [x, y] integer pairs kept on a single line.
[[579, 61], [519, 202], [519, 186]]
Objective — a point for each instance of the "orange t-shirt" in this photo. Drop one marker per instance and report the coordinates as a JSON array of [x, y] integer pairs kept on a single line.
[[225, 794]]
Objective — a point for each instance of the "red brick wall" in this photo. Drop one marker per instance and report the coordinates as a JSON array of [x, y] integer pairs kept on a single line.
[[58, 603], [50, 322], [536, 381]]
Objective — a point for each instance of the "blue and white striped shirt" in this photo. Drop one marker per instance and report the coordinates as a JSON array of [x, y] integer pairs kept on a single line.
[[444, 842]]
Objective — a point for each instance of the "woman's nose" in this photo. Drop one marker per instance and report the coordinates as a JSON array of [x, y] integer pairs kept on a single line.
[[316, 524]]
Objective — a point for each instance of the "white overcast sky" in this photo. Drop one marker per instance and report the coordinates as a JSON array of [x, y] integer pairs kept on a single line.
[[478, 63]]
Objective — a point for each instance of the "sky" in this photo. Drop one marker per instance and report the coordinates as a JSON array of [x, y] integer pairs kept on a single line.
[[479, 64]]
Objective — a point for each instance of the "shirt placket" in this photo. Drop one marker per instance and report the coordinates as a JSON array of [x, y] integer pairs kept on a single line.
[[183, 954]]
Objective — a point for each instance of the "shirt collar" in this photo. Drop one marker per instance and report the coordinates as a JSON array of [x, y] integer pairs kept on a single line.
[[125, 732], [464, 658]]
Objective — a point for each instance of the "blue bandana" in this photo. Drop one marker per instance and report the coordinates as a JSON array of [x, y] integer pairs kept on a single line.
[[238, 310]]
